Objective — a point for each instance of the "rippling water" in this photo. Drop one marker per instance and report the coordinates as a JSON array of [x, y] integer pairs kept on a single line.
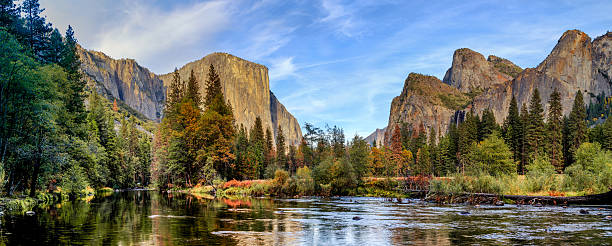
[[152, 218]]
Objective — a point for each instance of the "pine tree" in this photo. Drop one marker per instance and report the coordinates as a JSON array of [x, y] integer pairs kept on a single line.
[[281, 158], [512, 130], [74, 90], [487, 125], [9, 15], [524, 146], [256, 148], [174, 93], [53, 51], [536, 130], [555, 131], [37, 28], [269, 153], [577, 127], [213, 86], [192, 91], [358, 156], [218, 126]]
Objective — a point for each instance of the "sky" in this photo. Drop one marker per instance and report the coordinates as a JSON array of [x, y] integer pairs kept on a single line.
[[330, 62]]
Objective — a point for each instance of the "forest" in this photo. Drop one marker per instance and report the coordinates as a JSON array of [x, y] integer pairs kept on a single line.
[[58, 135]]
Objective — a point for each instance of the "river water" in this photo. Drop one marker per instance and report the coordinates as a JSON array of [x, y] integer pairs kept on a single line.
[[153, 218]]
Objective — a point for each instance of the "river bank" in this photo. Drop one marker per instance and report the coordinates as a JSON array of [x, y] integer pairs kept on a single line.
[[394, 189]]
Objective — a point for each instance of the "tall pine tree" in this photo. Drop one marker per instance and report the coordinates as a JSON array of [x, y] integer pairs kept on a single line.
[[536, 130], [555, 131], [577, 128]]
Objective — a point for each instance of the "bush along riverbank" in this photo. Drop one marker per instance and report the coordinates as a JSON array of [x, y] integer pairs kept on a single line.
[[302, 184], [22, 204]]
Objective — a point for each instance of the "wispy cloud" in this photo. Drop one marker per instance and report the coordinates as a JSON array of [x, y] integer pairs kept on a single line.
[[147, 31], [282, 68], [340, 17]]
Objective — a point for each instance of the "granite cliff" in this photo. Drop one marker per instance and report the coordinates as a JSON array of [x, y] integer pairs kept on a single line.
[[575, 63], [246, 87], [125, 81]]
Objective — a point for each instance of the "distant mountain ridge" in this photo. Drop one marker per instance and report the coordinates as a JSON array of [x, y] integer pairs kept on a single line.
[[575, 63], [246, 86]]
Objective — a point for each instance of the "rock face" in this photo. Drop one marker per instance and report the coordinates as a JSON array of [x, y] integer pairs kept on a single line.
[[378, 137], [425, 102], [124, 80], [470, 71], [247, 88], [574, 64]]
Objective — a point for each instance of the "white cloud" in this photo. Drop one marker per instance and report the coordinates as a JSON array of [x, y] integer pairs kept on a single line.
[[146, 32], [266, 38], [340, 16], [282, 68]]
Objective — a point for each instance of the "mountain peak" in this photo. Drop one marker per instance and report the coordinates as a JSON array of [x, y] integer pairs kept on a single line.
[[470, 71]]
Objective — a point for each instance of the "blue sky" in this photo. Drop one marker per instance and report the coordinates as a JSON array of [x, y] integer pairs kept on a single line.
[[334, 62]]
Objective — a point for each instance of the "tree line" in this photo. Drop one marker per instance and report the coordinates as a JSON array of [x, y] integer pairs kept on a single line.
[[49, 138]]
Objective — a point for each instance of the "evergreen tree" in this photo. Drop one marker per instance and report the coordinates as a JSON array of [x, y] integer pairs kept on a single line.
[[174, 93], [55, 47], [536, 130], [36, 27], [512, 130], [337, 141], [269, 154], [555, 131], [243, 168], [487, 125], [281, 158], [524, 145], [358, 156], [213, 86], [256, 148], [218, 127], [192, 91], [74, 88], [9, 15], [577, 127]]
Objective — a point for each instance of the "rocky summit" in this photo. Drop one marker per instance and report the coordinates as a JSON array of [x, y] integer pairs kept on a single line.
[[245, 85], [475, 83]]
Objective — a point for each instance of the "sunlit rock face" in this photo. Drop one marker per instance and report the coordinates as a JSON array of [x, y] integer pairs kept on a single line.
[[425, 102], [246, 87], [575, 63], [470, 71], [124, 80]]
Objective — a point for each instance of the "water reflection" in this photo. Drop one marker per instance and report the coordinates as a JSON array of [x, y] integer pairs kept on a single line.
[[152, 218]]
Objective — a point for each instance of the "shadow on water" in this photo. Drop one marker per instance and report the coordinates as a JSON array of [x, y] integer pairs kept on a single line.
[[152, 218]]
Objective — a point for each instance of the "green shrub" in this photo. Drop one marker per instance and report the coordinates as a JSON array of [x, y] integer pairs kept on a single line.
[[490, 156], [259, 188], [74, 181], [592, 171], [343, 177], [326, 189], [304, 181], [282, 184], [541, 175]]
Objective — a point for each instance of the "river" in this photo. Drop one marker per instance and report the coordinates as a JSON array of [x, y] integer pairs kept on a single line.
[[153, 218]]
